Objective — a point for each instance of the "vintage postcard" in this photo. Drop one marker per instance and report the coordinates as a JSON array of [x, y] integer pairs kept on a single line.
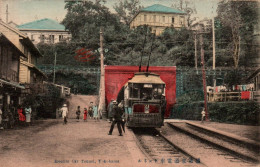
[[129, 83]]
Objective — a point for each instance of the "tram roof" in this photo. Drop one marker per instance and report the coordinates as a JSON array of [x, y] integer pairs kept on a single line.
[[149, 78]]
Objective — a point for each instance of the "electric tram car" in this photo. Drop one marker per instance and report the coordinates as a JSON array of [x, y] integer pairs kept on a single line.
[[144, 100]]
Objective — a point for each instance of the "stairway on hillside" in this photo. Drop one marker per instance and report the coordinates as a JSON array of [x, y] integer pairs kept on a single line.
[[80, 100]]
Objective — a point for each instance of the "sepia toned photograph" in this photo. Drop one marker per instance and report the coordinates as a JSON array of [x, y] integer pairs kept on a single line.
[[129, 83]]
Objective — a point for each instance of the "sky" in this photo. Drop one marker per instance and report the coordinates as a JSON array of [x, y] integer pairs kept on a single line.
[[24, 11]]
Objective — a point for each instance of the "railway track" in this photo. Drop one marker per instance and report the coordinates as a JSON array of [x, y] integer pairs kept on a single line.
[[160, 150], [213, 149]]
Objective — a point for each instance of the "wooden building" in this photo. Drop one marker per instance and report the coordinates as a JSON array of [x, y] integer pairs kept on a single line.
[[10, 89], [23, 71], [158, 17]]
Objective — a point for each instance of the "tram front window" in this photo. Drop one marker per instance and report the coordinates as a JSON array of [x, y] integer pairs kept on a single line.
[[134, 90], [157, 91], [146, 93]]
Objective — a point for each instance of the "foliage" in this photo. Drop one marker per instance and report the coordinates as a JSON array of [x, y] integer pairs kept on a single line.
[[233, 78], [240, 113], [247, 112], [84, 84], [127, 9], [45, 105], [188, 7], [83, 20], [236, 20]]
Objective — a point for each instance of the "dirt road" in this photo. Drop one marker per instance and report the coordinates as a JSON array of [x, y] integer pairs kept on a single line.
[[52, 144]]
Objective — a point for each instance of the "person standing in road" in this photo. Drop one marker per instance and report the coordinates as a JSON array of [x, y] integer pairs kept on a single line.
[[90, 110], [163, 108], [203, 113], [85, 114], [1, 113], [28, 112], [95, 112], [64, 113], [110, 108], [117, 118], [78, 113], [122, 110], [21, 116]]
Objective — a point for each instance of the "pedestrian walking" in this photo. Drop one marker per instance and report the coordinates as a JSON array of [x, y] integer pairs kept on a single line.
[[28, 112], [21, 115], [110, 108], [117, 118], [95, 112], [203, 113], [78, 113], [85, 114], [10, 117], [122, 108], [90, 110], [163, 108], [64, 113], [1, 113]]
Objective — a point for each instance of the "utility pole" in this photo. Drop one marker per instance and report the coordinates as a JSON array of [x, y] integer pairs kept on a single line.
[[101, 105], [196, 56], [213, 51], [204, 76], [6, 14], [55, 55], [0, 10]]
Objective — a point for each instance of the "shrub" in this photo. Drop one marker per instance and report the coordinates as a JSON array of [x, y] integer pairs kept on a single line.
[[229, 112]]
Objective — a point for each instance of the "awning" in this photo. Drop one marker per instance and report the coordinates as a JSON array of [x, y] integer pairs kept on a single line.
[[12, 84]]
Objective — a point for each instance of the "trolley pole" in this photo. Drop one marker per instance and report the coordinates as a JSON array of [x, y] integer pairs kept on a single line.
[[101, 105], [54, 67], [204, 77]]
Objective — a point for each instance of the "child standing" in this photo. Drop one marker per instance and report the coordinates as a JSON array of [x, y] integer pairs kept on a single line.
[[203, 113], [85, 114]]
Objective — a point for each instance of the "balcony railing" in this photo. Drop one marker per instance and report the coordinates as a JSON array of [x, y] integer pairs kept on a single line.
[[35, 88], [229, 96], [10, 75], [13, 75]]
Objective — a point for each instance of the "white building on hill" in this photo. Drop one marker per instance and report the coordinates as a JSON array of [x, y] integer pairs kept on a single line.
[[45, 31]]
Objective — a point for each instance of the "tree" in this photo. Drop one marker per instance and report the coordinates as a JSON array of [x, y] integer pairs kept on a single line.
[[83, 20], [126, 9], [237, 19], [188, 7]]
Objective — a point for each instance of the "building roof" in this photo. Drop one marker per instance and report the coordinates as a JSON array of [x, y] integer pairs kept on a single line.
[[161, 9], [43, 24], [24, 39], [13, 29], [3, 38]]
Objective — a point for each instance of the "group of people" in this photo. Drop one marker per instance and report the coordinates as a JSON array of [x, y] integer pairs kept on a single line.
[[24, 116], [92, 112]]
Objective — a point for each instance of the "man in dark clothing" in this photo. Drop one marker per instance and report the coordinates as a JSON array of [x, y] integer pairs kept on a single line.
[[164, 104], [110, 108], [78, 113], [117, 119]]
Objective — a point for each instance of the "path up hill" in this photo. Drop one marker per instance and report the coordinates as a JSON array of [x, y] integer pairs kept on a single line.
[[80, 100]]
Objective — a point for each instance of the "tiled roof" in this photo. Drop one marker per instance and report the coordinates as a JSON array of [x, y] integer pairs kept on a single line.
[[43, 24], [161, 9]]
